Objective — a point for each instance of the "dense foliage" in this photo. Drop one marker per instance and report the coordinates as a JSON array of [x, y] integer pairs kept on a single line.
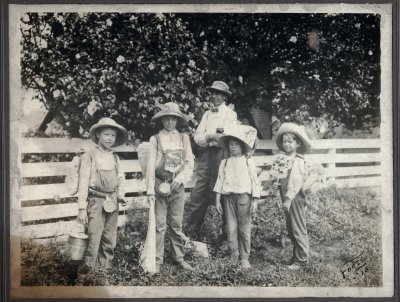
[[319, 67]]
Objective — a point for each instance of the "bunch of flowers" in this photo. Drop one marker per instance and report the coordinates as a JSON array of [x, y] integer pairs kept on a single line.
[[280, 166]]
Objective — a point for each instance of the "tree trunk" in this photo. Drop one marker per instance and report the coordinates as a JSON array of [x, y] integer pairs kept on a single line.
[[47, 119]]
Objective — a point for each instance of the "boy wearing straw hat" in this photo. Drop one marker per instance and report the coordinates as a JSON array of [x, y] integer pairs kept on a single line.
[[101, 185], [237, 182], [211, 128], [169, 166], [294, 142]]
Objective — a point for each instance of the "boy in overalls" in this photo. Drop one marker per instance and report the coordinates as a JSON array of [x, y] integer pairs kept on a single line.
[[169, 166], [101, 185], [294, 142]]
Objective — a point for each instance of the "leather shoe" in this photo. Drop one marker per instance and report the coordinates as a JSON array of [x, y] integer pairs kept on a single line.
[[245, 264], [186, 266]]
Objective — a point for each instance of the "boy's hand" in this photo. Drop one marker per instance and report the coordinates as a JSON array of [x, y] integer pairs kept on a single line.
[[275, 186], [286, 205], [219, 207], [151, 199], [123, 201], [82, 216], [254, 206], [214, 137], [175, 185]]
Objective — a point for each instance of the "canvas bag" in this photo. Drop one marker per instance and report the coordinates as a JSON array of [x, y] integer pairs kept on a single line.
[[314, 177], [72, 177], [314, 181]]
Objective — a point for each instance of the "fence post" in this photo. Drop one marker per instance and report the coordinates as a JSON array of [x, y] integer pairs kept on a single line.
[[331, 166]]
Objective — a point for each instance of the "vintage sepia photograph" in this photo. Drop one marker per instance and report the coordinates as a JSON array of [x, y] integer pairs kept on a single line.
[[192, 151]]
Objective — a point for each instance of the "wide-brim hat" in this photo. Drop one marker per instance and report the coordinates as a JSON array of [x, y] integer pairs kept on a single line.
[[246, 134], [296, 130], [220, 86], [170, 109], [106, 122]]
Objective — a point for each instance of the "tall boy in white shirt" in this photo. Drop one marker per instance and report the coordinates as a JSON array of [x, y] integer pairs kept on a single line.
[[212, 125]]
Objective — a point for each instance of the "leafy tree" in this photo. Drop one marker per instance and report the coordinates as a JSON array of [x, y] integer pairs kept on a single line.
[[305, 66]]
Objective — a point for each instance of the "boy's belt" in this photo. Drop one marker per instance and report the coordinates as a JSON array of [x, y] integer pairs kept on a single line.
[[164, 180], [96, 193]]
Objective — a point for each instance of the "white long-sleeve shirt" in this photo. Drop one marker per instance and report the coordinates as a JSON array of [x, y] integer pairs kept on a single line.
[[211, 121], [170, 140], [237, 175]]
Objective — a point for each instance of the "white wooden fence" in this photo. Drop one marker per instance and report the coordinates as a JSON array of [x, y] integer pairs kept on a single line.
[[45, 211]]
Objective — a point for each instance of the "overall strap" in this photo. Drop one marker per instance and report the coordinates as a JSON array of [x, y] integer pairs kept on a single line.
[[159, 143], [182, 140], [184, 144], [91, 157], [301, 157], [116, 161]]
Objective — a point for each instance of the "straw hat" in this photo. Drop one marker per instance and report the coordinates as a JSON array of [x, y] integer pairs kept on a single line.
[[106, 122], [298, 131], [246, 134], [220, 87], [170, 109]]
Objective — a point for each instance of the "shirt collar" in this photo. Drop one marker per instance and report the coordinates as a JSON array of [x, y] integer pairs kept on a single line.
[[221, 105], [104, 151], [220, 108], [169, 132]]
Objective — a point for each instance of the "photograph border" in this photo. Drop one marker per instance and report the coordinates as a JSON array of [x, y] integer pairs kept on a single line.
[[5, 164]]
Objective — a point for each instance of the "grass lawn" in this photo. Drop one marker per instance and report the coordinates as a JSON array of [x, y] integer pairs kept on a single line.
[[342, 224]]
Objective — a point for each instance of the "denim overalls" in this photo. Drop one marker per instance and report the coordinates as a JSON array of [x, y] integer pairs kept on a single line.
[[102, 226], [296, 222], [169, 210]]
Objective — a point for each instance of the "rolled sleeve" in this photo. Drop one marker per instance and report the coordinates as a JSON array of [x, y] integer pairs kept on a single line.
[[201, 131], [151, 166]]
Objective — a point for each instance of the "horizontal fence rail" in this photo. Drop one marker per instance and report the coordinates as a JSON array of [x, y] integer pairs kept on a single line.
[[47, 210]]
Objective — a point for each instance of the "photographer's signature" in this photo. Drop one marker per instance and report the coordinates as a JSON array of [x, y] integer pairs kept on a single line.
[[355, 267]]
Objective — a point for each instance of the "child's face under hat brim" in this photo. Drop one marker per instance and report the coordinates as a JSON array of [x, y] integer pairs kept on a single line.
[[122, 133], [170, 109], [298, 132]]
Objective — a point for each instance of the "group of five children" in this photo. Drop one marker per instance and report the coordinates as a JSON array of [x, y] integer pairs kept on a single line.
[[170, 165]]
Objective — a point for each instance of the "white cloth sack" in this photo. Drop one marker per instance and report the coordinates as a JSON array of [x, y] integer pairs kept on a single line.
[[148, 256]]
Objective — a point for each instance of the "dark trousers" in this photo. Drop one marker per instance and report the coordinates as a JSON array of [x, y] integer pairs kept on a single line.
[[203, 195], [297, 230], [296, 224]]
